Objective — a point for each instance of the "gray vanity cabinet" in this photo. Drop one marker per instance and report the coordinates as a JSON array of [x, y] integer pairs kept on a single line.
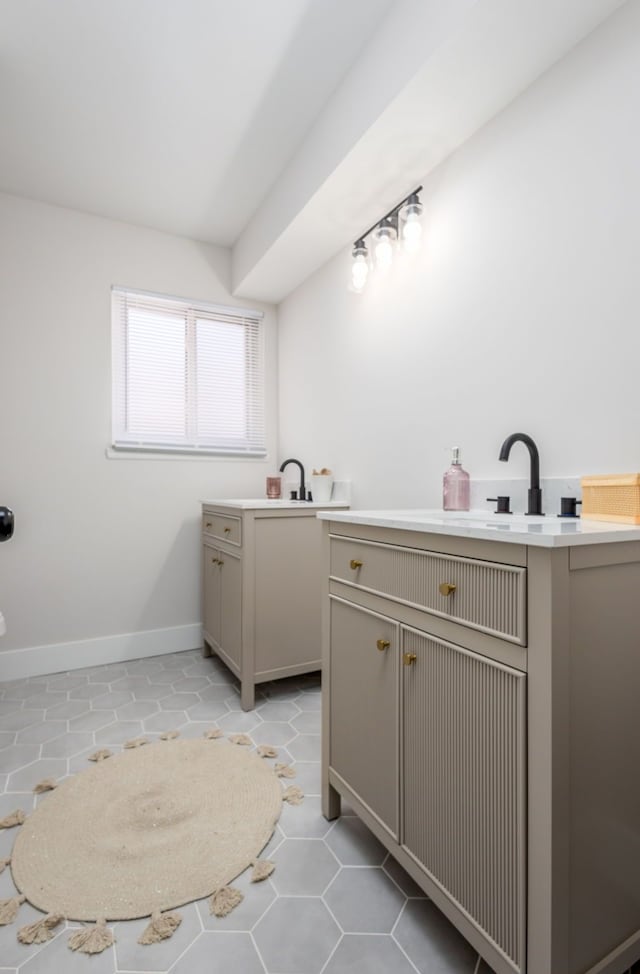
[[479, 715], [262, 572]]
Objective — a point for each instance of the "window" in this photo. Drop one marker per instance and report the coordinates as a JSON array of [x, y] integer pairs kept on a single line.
[[186, 376]]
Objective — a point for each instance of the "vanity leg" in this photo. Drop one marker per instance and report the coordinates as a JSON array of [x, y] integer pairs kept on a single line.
[[331, 802], [247, 694]]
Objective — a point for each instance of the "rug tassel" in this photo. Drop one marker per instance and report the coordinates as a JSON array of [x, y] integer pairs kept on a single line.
[[41, 931], [293, 795], [261, 869], [170, 735], [101, 755], [9, 909], [224, 901], [240, 739], [92, 940], [161, 927], [284, 771], [3, 864], [266, 751], [136, 742], [47, 785], [16, 818], [213, 735]]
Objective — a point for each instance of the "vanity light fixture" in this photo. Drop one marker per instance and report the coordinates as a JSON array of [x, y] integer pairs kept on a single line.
[[402, 221]]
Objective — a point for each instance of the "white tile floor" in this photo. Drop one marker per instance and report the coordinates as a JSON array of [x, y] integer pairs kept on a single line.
[[336, 903]]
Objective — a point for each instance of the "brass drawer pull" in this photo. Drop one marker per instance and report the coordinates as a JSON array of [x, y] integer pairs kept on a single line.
[[220, 561], [383, 644], [227, 530], [214, 561], [446, 588], [409, 659], [355, 564], [207, 524]]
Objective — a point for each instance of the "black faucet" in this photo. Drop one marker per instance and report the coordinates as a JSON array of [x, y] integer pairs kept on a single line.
[[534, 493], [302, 494]]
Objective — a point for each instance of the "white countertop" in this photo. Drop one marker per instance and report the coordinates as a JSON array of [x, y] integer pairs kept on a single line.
[[262, 503], [546, 532]]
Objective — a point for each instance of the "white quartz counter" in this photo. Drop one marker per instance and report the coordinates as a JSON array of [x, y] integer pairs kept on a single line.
[[262, 503], [546, 532]]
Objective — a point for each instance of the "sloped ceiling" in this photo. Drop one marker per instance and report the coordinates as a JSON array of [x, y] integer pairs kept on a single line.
[[279, 128]]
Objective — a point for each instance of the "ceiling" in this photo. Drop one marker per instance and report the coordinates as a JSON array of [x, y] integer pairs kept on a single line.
[[253, 124]]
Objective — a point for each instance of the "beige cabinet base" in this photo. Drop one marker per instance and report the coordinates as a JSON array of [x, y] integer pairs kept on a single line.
[[262, 579], [509, 783]]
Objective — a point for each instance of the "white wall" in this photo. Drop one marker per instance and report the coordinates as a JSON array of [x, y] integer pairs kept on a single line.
[[521, 312], [105, 561]]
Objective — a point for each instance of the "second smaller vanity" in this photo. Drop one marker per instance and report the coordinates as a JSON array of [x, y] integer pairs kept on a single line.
[[262, 583]]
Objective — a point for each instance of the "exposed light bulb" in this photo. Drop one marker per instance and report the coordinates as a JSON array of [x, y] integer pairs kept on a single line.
[[411, 225], [359, 273], [386, 237], [411, 236], [360, 266]]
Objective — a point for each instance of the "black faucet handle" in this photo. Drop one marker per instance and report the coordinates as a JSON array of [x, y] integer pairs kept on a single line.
[[502, 500], [6, 523], [568, 507]]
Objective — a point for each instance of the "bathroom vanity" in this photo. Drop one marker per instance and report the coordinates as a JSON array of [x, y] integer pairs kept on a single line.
[[480, 684], [262, 571]]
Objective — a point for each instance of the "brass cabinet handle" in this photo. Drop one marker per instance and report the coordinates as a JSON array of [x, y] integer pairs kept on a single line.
[[446, 588], [220, 561], [355, 564], [227, 530], [207, 524], [214, 561], [383, 644], [409, 658]]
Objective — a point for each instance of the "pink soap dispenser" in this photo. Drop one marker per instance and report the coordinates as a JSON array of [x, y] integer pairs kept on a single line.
[[456, 485]]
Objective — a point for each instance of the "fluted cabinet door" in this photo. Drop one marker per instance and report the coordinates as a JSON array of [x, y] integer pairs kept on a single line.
[[364, 744], [231, 606], [464, 783]]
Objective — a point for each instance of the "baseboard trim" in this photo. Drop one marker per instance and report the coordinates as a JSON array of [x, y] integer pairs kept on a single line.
[[16, 664]]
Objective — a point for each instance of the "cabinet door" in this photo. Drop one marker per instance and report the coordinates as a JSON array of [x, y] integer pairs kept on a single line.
[[364, 707], [464, 782], [211, 596], [230, 576]]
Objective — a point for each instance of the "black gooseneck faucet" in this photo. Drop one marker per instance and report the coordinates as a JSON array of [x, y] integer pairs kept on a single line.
[[302, 494], [534, 494]]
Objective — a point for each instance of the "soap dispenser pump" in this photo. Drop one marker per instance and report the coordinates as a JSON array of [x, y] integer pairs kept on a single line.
[[456, 485]]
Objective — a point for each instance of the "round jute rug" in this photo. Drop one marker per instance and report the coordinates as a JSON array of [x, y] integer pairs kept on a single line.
[[148, 830]]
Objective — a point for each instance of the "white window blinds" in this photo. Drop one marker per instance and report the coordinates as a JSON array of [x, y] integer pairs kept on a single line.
[[186, 376]]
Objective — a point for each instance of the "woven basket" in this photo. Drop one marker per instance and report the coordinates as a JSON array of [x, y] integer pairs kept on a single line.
[[613, 497]]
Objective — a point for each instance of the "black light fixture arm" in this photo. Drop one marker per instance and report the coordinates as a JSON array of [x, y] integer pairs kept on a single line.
[[392, 213]]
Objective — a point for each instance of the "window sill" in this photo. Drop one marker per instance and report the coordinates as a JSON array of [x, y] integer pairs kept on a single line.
[[138, 453]]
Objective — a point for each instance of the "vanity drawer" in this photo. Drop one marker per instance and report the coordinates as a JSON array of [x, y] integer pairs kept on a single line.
[[223, 527], [480, 594]]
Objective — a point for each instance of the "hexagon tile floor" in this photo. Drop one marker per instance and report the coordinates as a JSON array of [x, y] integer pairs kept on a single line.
[[336, 903]]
